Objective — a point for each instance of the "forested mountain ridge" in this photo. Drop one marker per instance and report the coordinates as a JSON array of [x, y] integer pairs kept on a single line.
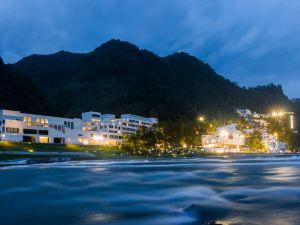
[[17, 92], [118, 77]]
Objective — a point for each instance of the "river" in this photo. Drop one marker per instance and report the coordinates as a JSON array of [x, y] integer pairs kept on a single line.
[[231, 190]]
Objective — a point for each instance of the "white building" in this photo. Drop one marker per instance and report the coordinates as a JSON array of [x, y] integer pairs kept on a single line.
[[101, 129], [226, 138], [106, 129], [22, 127], [130, 123], [272, 144], [93, 129]]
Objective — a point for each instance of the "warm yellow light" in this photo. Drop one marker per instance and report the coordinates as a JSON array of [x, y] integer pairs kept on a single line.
[[274, 113], [292, 121], [224, 133], [201, 118], [98, 138], [276, 135], [221, 150], [43, 139]]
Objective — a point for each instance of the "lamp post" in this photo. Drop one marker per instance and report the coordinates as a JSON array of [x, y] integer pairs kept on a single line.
[[279, 114]]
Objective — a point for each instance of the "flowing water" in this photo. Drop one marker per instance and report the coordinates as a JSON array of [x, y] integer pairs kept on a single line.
[[232, 190]]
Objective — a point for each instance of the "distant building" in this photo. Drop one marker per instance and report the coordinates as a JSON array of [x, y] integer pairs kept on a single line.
[[93, 129], [226, 138], [130, 123], [272, 144]]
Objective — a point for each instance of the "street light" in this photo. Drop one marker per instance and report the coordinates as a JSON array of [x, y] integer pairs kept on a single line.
[[281, 113], [201, 118]]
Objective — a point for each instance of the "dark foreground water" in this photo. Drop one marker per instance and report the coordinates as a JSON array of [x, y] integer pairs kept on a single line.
[[256, 190]]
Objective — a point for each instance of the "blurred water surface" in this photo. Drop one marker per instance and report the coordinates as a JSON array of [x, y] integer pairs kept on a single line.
[[232, 190]]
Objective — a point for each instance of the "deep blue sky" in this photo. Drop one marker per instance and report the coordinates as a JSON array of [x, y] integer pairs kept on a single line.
[[248, 41]]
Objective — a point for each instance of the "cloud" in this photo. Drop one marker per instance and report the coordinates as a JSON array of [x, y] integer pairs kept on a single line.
[[244, 40]]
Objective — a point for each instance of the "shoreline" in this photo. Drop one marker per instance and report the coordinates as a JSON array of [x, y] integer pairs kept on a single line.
[[48, 153], [17, 159]]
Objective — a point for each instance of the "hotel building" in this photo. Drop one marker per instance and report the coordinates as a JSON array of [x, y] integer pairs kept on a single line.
[[93, 129]]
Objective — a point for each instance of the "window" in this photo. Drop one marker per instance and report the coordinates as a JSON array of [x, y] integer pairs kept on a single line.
[[30, 131], [43, 132], [12, 130], [96, 115], [43, 139]]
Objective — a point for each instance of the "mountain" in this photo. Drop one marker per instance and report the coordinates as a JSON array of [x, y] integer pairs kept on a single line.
[[17, 92], [118, 77]]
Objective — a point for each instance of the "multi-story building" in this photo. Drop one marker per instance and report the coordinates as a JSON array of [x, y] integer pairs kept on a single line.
[[101, 129], [130, 123], [106, 129], [23, 127], [93, 129]]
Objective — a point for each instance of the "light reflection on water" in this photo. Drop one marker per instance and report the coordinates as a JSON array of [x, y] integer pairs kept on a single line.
[[233, 190]]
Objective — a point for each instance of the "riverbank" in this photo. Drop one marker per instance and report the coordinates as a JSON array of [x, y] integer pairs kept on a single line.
[[11, 153]]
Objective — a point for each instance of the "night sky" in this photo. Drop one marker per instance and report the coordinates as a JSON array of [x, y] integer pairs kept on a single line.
[[248, 41]]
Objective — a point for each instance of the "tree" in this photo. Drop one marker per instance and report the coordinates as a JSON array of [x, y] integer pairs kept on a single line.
[[254, 141]]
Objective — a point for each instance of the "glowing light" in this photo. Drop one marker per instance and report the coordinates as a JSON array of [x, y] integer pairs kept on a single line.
[[98, 138], [221, 150], [224, 133], [201, 118], [292, 121]]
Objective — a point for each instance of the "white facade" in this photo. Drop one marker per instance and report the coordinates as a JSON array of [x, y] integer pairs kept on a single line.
[[101, 129], [130, 123], [226, 138], [272, 144], [93, 129], [106, 129], [23, 127]]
